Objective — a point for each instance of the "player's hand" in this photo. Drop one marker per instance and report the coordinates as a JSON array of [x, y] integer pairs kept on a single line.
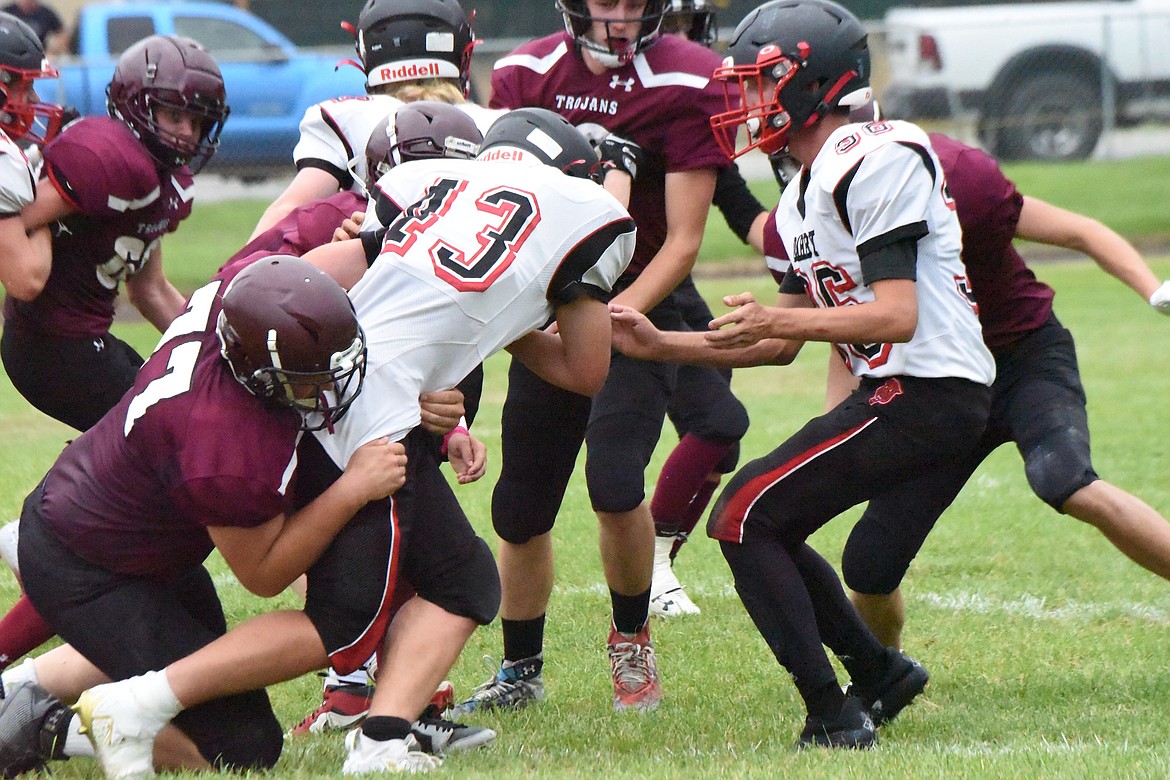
[[467, 456], [350, 227], [593, 132], [622, 154], [748, 324], [377, 469], [442, 410], [1160, 300], [633, 334]]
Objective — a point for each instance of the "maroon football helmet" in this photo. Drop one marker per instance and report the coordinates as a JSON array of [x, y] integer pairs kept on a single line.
[[290, 335], [22, 61], [176, 72], [421, 130]]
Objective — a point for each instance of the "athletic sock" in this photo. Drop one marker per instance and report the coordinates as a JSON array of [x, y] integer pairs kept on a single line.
[[523, 638], [22, 630], [630, 612]]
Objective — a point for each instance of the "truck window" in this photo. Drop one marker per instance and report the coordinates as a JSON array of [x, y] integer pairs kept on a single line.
[[124, 31], [223, 38]]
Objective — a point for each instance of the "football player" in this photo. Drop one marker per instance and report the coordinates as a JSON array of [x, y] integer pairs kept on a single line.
[[114, 538], [873, 268], [432, 304], [409, 50], [609, 67]]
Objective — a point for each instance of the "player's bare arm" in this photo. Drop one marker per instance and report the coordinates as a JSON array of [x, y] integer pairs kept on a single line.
[[24, 258], [266, 559], [48, 207], [308, 185], [577, 356], [153, 294], [688, 199], [635, 336], [890, 318], [345, 261]]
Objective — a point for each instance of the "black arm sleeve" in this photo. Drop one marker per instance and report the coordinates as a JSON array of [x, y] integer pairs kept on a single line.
[[893, 255], [739, 206]]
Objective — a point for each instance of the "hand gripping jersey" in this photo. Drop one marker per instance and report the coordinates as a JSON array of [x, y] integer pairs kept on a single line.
[[476, 254], [334, 134], [18, 183], [662, 100], [873, 183], [125, 206], [187, 447]]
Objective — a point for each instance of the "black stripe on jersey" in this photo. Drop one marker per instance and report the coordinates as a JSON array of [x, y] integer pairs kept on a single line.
[[893, 255], [344, 179], [841, 195], [372, 244], [805, 176], [566, 285], [927, 161]]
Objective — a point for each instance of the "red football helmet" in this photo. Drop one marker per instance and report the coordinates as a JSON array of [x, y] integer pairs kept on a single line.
[[790, 62], [290, 335], [22, 61], [422, 130], [176, 72]]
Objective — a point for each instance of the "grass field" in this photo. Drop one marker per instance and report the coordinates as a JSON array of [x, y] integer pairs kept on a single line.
[[1046, 646]]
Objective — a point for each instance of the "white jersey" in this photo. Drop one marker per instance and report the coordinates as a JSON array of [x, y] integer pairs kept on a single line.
[[481, 254], [18, 177], [874, 184], [334, 134]]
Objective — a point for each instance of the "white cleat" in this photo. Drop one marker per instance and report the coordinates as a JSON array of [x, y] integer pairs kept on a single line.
[[9, 536], [667, 597], [367, 756], [121, 734]]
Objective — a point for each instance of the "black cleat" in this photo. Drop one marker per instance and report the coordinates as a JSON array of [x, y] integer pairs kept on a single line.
[[852, 729], [904, 679], [32, 729]]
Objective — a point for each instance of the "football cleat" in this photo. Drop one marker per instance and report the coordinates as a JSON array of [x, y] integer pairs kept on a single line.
[[441, 737], [32, 728], [342, 706], [851, 729], [635, 671], [904, 679], [667, 597], [9, 536], [514, 686], [121, 734], [367, 756]]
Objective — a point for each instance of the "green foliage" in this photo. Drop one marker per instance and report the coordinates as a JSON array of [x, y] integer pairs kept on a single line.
[[1046, 646]]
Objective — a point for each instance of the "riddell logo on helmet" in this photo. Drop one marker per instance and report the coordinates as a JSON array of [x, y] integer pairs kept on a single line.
[[506, 153], [412, 71]]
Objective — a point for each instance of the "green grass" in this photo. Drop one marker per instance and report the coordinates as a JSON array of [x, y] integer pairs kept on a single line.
[[1046, 646]]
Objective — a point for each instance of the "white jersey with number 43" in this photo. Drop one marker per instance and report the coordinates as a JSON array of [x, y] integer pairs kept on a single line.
[[870, 185], [476, 254]]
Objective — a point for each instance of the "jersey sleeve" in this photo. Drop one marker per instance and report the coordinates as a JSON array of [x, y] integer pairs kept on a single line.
[[592, 265], [322, 145], [17, 184], [252, 503], [987, 202], [101, 168], [885, 198], [505, 89]]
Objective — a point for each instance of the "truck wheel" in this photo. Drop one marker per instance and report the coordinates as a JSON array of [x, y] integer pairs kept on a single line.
[[1050, 116]]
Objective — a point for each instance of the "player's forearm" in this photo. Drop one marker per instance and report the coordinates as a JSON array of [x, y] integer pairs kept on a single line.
[[659, 278], [692, 348], [25, 261]]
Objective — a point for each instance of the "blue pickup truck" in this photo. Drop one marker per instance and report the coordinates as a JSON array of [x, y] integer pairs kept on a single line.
[[270, 82]]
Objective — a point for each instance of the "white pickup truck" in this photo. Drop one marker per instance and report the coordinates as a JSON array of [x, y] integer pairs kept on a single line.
[[1043, 79]]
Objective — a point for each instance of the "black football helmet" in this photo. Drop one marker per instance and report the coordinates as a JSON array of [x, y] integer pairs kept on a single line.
[[791, 62], [421, 130], [692, 18], [403, 40], [22, 61], [290, 335], [176, 72], [614, 51], [544, 134]]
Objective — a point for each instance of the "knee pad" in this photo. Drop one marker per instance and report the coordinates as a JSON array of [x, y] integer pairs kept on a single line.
[[235, 733], [526, 508], [1059, 466], [729, 461], [616, 479], [868, 565], [465, 584]]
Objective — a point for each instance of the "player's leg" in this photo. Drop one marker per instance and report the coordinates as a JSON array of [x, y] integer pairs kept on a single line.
[[624, 427], [542, 428]]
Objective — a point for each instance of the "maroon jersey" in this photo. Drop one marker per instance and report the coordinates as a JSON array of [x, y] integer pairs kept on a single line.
[[125, 205], [305, 227], [662, 100], [187, 447], [1012, 301]]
